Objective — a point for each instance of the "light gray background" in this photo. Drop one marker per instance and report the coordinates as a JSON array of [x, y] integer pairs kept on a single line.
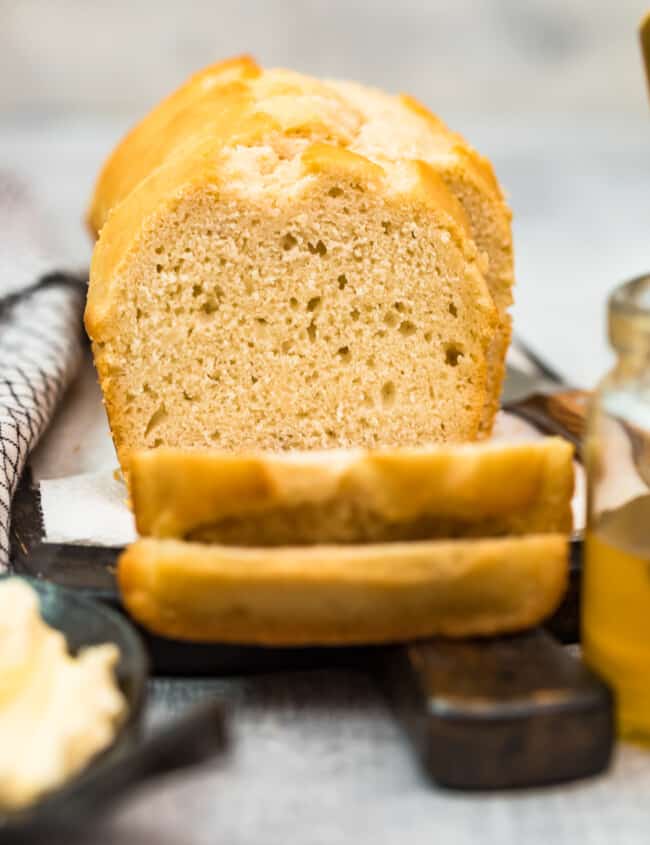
[[486, 57], [553, 92]]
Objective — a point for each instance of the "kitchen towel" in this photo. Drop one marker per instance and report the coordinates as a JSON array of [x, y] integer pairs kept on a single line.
[[41, 307]]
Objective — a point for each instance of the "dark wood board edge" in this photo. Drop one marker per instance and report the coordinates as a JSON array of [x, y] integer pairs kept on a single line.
[[500, 713]]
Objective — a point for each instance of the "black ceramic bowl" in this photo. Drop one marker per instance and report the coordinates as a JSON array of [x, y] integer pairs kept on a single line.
[[84, 623]]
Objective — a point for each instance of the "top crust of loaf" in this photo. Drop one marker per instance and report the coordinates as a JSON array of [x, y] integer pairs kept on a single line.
[[332, 111]]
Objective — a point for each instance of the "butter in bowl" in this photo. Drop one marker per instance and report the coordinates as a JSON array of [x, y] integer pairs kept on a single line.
[[57, 710], [73, 685]]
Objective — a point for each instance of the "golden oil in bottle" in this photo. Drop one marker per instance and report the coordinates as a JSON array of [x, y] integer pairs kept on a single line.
[[616, 610]]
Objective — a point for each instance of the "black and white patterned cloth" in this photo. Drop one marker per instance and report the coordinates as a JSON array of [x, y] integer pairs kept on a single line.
[[40, 337]]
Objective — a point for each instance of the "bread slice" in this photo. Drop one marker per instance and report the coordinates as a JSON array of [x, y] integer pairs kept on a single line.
[[266, 278], [370, 122], [395, 124], [354, 496], [320, 595]]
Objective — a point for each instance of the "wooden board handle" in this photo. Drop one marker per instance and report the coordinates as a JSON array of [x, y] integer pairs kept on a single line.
[[502, 712], [563, 413]]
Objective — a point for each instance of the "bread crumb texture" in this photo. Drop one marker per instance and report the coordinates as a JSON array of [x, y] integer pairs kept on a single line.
[[288, 263]]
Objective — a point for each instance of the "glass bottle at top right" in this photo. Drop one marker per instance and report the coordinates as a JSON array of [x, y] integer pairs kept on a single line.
[[616, 578]]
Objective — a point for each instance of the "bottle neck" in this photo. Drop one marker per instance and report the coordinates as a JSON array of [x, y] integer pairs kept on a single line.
[[633, 362], [629, 324]]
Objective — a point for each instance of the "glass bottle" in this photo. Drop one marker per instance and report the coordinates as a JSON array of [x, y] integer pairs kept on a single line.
[[616, 578]]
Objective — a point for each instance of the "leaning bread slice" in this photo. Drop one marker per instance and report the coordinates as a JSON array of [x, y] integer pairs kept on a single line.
[[392, 124], [342, 594], [354, 495]]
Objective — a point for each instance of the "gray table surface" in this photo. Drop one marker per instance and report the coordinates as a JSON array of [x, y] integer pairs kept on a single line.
[[317, 756]]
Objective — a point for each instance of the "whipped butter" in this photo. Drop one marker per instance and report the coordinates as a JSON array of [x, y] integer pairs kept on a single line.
[[56, 710]]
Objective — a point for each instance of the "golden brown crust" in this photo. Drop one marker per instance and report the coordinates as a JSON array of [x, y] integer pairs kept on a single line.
[[327, 158], [354, 495], [432, 190], [342, 594], [421, 110]]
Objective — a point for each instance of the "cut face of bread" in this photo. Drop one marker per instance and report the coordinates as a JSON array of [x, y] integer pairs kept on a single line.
[[272, 274], [343, 594], [306, 303], [354, 496]]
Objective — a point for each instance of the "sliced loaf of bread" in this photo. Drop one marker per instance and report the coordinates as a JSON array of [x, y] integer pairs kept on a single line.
[[315, 595], [370, 122], [354, 496], [288, 263]]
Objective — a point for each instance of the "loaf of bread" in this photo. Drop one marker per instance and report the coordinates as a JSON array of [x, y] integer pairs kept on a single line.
[[313, 595], [285, 263], [354, 496]]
